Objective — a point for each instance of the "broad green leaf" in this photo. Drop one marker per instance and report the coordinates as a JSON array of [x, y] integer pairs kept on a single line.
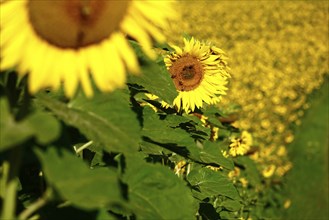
[[153, 148], [170, 128], [212, 110], [154, 77], [201, 130], [210, 152], [175, 120], [231, 205], [167, 133], [211, 183], [229, 215], [44, 127], [164, 131], [106, 119], [154, 192], [212, 113], [76, 182], [250, 170], [104, 215]]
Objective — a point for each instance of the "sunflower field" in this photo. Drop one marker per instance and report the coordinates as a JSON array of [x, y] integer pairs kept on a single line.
[[164, 110]]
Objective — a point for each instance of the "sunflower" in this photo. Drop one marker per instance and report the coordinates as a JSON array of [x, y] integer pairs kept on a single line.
[[74, 41], [241, 145], [199, 72]]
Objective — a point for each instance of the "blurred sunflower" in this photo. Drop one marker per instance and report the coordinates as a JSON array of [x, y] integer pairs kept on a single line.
[[241, 145], [199, 72], [74, 41]]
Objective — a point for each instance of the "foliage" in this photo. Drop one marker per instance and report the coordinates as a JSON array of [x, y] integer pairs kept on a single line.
[[121, 155], [309, 154], [278, 53]]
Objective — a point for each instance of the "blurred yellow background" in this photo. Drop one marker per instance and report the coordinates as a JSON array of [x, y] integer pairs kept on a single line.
[[278, 54]]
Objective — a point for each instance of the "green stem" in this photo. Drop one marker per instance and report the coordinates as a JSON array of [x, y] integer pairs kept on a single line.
[[4, 177], [35, 206], [77, 151], [9, 202]]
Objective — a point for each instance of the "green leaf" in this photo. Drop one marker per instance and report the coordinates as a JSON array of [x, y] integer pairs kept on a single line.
[[106, 119], [212, 113], [228, 215], [76, 182], [44, 127], [104, 215], [212, 110], [210, 152], [165, 131], [154, 192], [211, 183], [250, 170], [153, 148], [154, 78], [231, 205], [201, 130]]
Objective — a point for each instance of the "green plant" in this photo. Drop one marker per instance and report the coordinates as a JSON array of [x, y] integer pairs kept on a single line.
[[121, 155]]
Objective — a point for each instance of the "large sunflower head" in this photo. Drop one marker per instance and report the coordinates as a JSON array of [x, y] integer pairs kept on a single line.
[[71, 41], [199, 72]]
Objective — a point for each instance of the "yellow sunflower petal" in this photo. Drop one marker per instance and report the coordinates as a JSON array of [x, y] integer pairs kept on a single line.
[[97, 68], [132, 27], [84, 76], [198, 74], [70, 80], [52, 54], [118, 67], [126, 52]]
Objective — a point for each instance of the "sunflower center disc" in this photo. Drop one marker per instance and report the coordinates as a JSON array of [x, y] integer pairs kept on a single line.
[[187, 73], [75, 23]]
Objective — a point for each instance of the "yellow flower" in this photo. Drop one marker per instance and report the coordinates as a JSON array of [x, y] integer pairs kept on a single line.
[[214, 168], [289, 138], [199, 72], [240, 146], [244, 182], [204, 119], [156, 98], [246, 138], [214, 133], [279, 90], [224, 153], [180, 168], [283, 169], [269, 171], [287, 204], [234, 173], [282, 151], [71, 42]]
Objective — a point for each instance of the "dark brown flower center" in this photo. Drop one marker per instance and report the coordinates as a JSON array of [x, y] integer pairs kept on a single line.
[[75, 23], [187, 73]]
